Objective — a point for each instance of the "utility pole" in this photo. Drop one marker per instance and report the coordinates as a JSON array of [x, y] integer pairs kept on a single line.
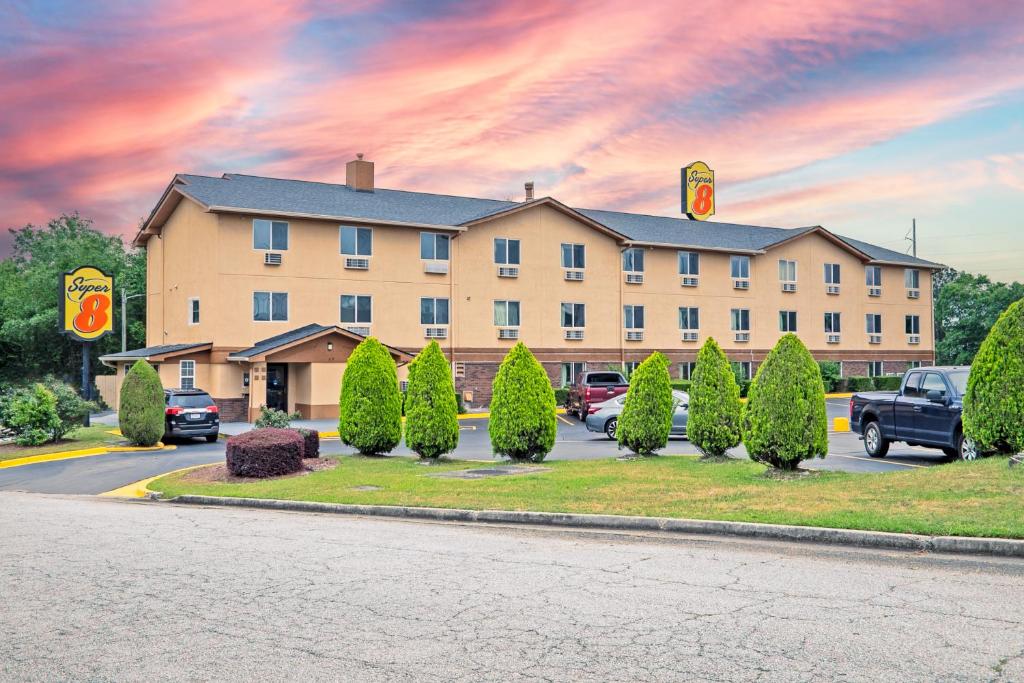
[[913, 237], [124, 319]]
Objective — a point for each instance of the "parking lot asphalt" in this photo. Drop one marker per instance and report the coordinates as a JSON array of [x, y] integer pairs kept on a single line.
[[103, 473]]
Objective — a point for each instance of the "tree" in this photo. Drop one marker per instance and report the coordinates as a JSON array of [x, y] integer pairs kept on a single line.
[[715, 408], [142, 405], [370, 407], [34, 419], [994, 403], [646, 418], [31, 344], [784, 421], [966, 308], [431, 412], [523, 423]]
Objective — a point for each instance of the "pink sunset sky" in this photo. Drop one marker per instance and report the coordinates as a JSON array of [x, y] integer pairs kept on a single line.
[[856, 116]]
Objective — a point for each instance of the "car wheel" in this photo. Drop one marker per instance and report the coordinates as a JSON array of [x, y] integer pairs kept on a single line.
[[210, 438], [874, 444], [610, 426], [966, 448]]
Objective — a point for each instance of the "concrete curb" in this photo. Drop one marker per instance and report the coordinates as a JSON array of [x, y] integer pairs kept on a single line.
[[805, 534]]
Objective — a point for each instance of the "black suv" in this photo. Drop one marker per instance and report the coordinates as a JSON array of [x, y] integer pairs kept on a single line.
[[190, 412]]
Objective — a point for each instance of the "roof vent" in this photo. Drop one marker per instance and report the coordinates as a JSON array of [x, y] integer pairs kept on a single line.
[[359, 174], [529, 191]]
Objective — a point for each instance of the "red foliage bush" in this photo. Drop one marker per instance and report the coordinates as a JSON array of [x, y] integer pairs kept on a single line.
[[310, 442], [264, 453]]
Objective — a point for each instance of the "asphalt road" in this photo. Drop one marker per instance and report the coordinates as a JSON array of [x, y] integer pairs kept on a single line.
[[96, 589]]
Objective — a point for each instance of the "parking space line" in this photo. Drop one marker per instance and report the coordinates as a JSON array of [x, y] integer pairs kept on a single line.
[[563, 419], [877, 460]]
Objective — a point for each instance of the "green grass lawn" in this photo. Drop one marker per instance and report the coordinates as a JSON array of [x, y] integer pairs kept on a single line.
[[84, 437], [983, 498]]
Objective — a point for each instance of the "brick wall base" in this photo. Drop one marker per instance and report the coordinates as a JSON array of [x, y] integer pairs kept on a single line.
[[233, 409]]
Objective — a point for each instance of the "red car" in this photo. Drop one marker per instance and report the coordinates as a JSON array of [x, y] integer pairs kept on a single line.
[[591, 388]]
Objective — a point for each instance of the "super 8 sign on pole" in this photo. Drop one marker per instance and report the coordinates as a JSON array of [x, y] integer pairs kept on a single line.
[[698, 191], [87, 297]]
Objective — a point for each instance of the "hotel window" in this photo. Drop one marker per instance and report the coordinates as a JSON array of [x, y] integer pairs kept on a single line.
[[832, 323], [913, 324], [912, 278], [787, 321], [269, 306], [356, 241], [787, 271], [873, 276], [187, 374], [573, 315], [689, 263], [633, 317], [742, 369], [506, 313], [269, 235], [356, 309], [913, 364], [689, 318], [570, 372], [875, 368], [739, 267], [633, 260], [433, 311], [629, 366], [573, 256], [740, 320], [193, 311], [434, 246], [874, 323], [686, 370], [831, 273], [506, 252]]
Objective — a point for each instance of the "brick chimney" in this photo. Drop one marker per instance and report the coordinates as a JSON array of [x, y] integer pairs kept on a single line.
[[359, 174], [529, 191]]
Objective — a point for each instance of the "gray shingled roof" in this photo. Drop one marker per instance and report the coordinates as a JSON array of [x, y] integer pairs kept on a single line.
[[150, 351], [273, 195], [267, 345]]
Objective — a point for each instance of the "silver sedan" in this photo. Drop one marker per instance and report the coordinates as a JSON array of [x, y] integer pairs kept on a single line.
[[604, 417]]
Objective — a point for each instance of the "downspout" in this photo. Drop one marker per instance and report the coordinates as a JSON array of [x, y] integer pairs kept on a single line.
[[622, 314]]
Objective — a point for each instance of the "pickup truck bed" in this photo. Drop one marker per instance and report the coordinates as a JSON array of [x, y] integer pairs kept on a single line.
[[591, 388]]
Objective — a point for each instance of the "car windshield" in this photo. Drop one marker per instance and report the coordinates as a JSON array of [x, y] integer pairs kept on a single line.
[[959, 380], [191, 400]]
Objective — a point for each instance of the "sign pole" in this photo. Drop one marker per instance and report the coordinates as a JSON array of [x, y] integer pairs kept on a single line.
[[86, 393]]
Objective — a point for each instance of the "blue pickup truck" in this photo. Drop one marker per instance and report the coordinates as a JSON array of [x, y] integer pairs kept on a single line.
[[924, 412]]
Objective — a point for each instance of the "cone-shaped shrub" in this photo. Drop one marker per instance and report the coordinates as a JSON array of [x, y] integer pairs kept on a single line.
[[715, 408], [370, 409], [784, 420], [994, 403], [646, 418], [141, 411], [523, 423], [431, 412]]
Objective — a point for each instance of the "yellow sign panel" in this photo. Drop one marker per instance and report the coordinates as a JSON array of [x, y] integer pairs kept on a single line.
[[87, 297], [698, 191]]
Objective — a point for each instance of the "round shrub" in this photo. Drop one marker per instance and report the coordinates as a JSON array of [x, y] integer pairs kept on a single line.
[[34, 418], [370, 408], [310, 442], [646, 418], [784, 421], [431, 411], [71, 408], [141, 411], [994, 403], [715, 408], [522, 424], [264, 453]]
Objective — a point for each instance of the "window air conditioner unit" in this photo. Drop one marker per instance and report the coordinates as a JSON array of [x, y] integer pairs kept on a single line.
[[831, 289], [913, 293], [634, 278], [435, 332], [741, 284], [788, 286], [634, 335], [435, 267], [352, 263], [362, 331], [690, 336], [508, 333], [742, 336], [913, 339], [574, 275], [688, 281], [874, 291], [874, 339], [271, 258], [508, 271], [574, 335], [832, 339], [403, 385]]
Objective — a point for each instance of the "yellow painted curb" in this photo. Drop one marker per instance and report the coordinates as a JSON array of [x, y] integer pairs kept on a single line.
[[841, 424], [139, 489], [841, 395], [115, 432], [477, 416], [328, 435], [81, 453], [161, 446]]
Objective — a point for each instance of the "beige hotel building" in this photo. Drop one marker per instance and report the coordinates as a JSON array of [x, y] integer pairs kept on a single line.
[[259, 288]]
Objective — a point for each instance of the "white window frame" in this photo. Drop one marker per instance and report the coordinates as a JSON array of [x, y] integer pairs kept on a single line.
[[574, 304], [833, 319], [572, 255], [736, 319], [692, 258], [194, 313], [873, 320], [916, 326], [833, 271], [788, 316], [686, 369], [912, 274], [506, 262], [341, 242], [270, 240], [190, 375], [355, 309], [629, 312], [434, 300], [507, 305], [785, 265], [746, 369], [691, 313], [881, 368], [744, 265], [567, 378], [868, 270], [436, 236], [633, 251], [270, 306]]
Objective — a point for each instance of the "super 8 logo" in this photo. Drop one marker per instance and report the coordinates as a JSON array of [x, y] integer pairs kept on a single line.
[[698, 191], [86, 300]]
